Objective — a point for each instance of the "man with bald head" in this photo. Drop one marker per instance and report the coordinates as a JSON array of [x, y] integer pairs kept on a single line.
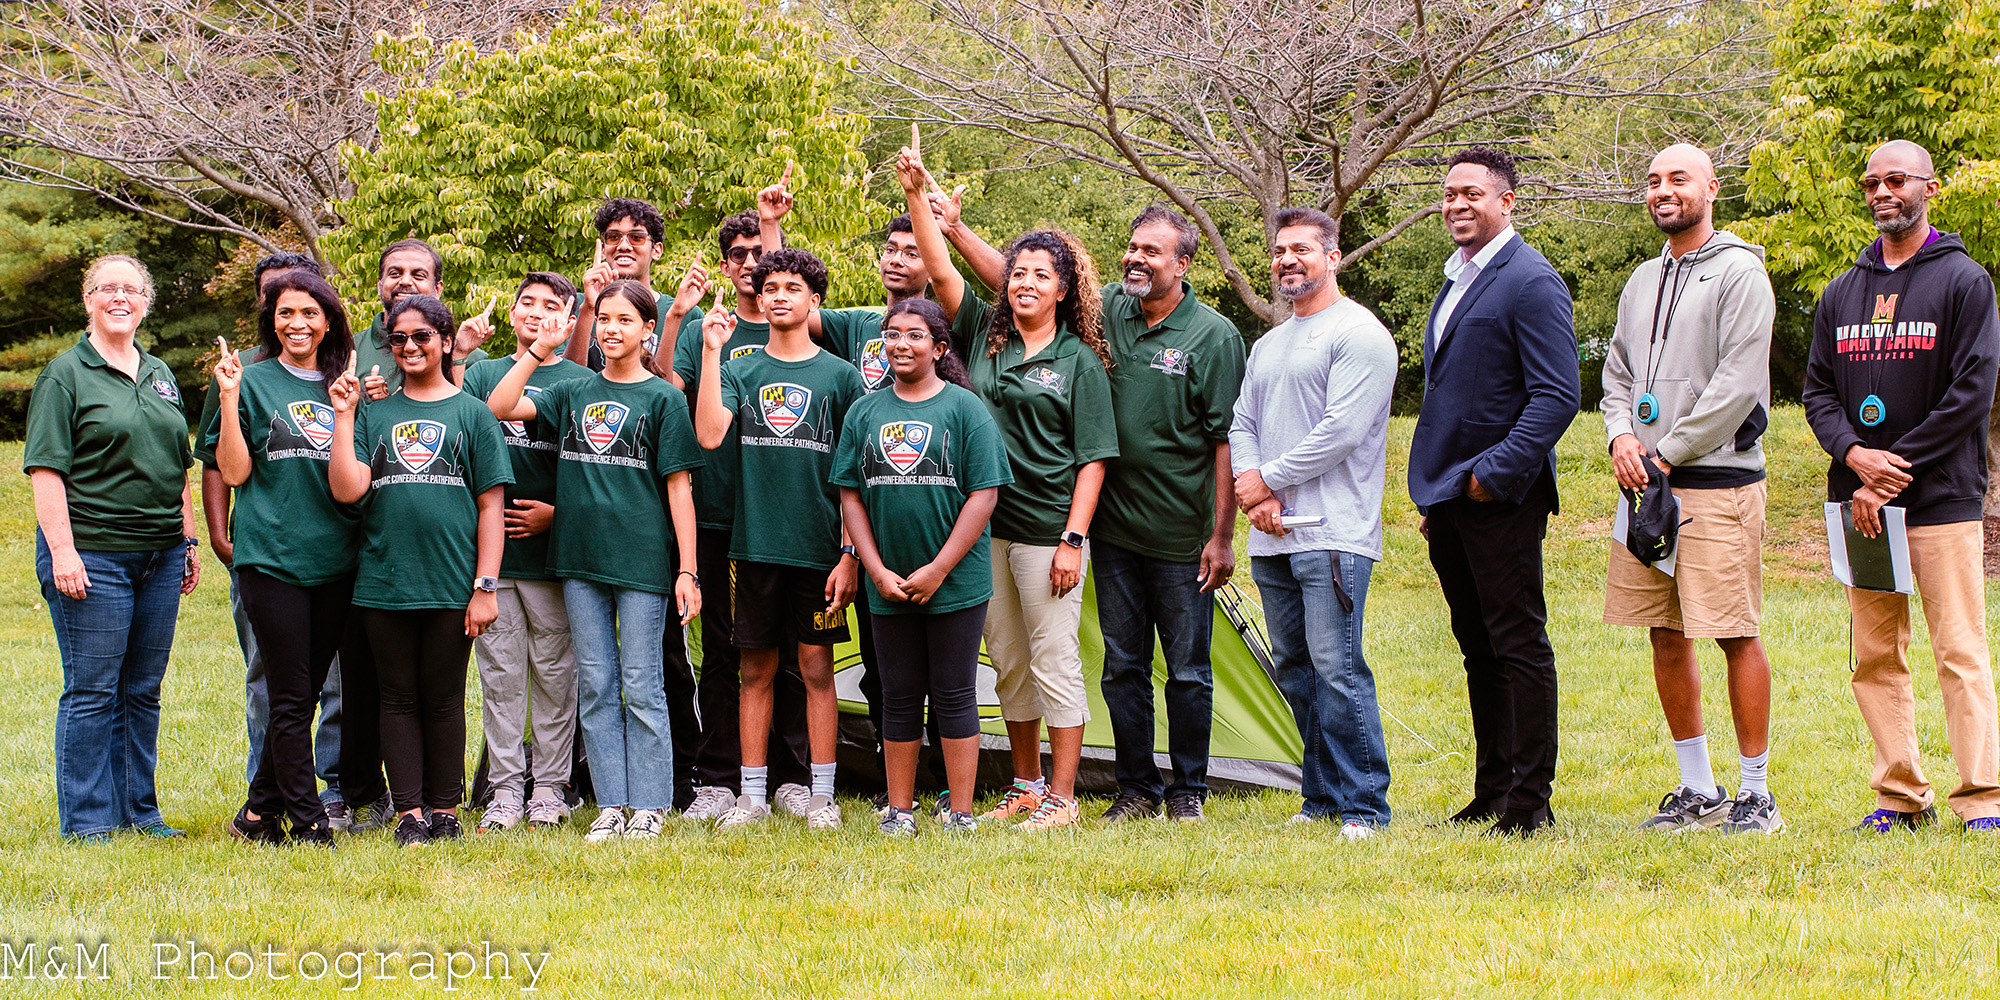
[[1898, 390], [1687, 396]]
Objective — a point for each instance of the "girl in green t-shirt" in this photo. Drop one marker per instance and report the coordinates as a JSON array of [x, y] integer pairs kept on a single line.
[[435, 475], [625, 448], [920, 469], [273, 434]]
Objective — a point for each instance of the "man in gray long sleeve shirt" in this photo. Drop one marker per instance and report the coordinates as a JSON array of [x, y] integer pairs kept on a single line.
[[1310, 440], [1687, 384]]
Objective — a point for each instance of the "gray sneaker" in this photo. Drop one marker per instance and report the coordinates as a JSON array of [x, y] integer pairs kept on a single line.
[[793, 798], [710, 802], [1685, 809], [743, 813], [547, 811], [1754, 812], [338, 818], [899, 823], [379, 815], [1184, 808]]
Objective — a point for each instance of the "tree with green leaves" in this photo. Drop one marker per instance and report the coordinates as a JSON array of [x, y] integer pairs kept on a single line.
[[1852, 75], [500, 159]]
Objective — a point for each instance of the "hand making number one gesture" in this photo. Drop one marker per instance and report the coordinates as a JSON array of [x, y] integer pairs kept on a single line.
[[718, 325], [228, 369], [775, 202], [345, 391]]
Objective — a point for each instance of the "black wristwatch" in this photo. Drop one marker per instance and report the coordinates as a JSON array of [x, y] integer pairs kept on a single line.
[[848, 550], [1073, 539], [487, 584]]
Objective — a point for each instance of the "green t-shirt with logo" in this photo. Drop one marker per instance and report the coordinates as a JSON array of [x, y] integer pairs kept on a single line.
[[856, 335], [120, 443], [1055, 414], [788, 422], [428, 463], [371, 351], [286, 523], [1174, 386], [617, 444], [915, 464], [203, 452], [532, 449], [715, 484]]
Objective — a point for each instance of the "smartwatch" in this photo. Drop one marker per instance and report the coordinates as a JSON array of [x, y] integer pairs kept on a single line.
[[1073, 539], [486, 583], [848, 550]]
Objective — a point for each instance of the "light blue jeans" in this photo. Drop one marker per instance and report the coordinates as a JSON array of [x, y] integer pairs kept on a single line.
[[114, 645], [1316, 644], [617, 636]]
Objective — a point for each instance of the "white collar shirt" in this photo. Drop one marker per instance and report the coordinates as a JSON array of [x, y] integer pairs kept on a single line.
[[1462, 273]]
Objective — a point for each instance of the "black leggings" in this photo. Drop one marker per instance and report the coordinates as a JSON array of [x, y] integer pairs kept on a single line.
[[420, 659], [935, 655], [298, 629]]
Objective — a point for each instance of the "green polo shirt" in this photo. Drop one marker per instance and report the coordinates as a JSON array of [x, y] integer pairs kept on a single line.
[[531, 446], [203, 453], [371, 350], [428, 461], [715, 484], [1175, 387], [286, 523], [856, 335], [1054, 412], [121, 445]]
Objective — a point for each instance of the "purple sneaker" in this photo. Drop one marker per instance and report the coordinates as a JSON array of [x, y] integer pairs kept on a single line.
[[1886, 820]]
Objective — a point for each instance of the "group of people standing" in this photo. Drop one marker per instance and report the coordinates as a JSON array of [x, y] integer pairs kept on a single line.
[[402, 501]]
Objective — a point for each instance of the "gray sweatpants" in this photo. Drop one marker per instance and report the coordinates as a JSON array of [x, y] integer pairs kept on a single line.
[[526, 671]]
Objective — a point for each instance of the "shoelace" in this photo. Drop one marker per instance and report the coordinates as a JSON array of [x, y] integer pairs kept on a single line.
[[1743, 808], [1050, 804]]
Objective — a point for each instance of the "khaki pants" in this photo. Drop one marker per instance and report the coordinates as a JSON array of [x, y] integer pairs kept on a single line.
[[1031, 637], [1946, 561], [525, 668]]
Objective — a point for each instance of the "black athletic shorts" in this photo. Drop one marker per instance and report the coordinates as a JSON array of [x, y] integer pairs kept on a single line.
[[774, 604]]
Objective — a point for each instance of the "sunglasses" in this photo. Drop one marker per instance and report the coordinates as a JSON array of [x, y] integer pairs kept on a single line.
[[1895, 180], [738, 255], [421, 338]]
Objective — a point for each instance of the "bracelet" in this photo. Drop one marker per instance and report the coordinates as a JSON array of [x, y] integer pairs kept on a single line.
[[538, 358], [690, 574]]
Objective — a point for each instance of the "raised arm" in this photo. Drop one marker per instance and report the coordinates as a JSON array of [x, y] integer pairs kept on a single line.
[[232, 453], [946, 283], [346, 476], [509, 400], [988, 264], [711, 416]]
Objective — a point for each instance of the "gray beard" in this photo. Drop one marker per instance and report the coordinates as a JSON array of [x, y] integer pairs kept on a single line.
[[1904, 221], [1294, 294], [1138, 289]]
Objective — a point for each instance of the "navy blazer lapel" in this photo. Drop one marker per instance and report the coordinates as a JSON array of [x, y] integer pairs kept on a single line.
[[1479, 285], [1430, 323]]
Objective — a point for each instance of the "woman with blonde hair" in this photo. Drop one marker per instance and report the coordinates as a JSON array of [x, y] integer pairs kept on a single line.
[[1039, 360], [108, 454]]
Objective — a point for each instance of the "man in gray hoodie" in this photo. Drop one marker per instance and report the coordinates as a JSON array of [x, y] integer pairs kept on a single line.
[[1687, 394]]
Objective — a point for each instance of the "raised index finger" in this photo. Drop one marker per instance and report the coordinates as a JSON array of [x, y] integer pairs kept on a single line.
[[353, 358], [916, 144], [786, 181], [222, 344]]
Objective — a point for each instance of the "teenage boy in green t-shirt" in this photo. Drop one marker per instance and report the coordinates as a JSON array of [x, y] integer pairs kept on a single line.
[[630, 235], [793, 571]]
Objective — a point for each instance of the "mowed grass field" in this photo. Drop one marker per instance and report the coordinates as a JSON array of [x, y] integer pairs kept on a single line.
[[1238, 907]]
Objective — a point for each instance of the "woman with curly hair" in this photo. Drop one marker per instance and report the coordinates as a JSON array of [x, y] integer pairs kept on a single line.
[[1038, 359]]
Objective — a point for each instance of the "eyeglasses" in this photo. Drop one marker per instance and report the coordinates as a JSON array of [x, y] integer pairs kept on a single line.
[[738, 255], [898, 336], [636, 237], [419, 337], [913, 256], [129, 291], [1895, 180]]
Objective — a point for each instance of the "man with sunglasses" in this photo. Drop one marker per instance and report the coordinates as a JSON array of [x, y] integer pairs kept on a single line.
[[1899, 388]]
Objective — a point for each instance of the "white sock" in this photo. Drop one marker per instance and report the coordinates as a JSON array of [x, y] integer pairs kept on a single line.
[[823, 779], [1692, 755], [1755, 771], [755, 779], [1040, 785]]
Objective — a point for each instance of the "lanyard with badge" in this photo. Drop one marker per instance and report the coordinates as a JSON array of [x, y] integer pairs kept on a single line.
[[1872, 411], [1648, 407]]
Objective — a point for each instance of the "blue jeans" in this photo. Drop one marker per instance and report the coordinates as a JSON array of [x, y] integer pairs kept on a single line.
[[1137, 595], [616, 636], [257, 705], [114, 645], [1316, 646]]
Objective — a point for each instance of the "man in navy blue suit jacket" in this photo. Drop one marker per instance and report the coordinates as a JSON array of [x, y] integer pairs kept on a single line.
[[1500, 387]]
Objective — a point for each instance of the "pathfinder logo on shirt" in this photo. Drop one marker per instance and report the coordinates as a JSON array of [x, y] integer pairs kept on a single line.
[[416, 443], [314, 421], [1047, 378], [783, 405], [903, 443], [517, 430], [874, 364], [745, 350], [601, 422], [1172, 360], [166, 390]]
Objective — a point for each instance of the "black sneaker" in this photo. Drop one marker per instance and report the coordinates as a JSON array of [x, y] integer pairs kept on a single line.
[[262, 831], [377, 815], [338, 816], [1127, 806], [444, 826], [412, 832], [318, 835], [1184, 808]]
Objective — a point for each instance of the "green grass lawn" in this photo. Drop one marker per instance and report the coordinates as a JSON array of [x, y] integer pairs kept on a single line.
[[1239, 906]]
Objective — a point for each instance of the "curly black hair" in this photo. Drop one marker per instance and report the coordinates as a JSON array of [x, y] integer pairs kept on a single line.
[[786, 260], [1080, 308], [641, 212], [1499, 161]]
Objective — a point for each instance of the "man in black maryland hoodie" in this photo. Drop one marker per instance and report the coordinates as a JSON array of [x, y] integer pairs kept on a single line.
[[1898, 390]]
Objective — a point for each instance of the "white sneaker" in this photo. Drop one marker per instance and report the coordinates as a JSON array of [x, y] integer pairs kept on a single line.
[[793, 798], [710, 802], [609, 825], [645, 824], [548, 810], [742, 814], [1354, 829], [822, 813], [1300, 819]]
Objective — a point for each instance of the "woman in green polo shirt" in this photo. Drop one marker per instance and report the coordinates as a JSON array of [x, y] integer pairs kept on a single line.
[[108, 454], [1038, 359], [432, 462], [920, 468], [272, 436]]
